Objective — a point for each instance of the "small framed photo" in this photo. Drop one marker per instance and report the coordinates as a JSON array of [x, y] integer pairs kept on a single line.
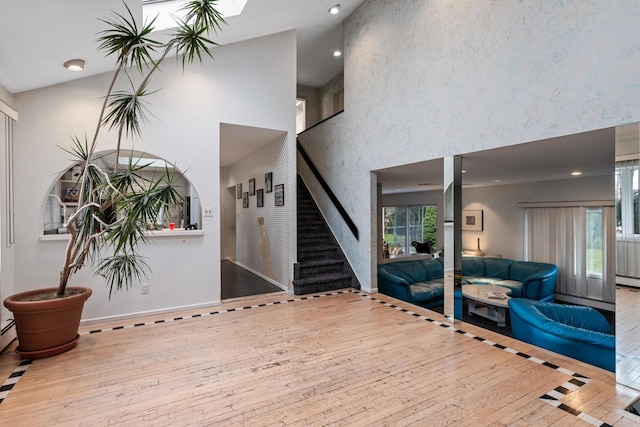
[[268, 182], [245, 200], [472, 220], [252, 187], [260, 198], [279, 195], [238, 191]]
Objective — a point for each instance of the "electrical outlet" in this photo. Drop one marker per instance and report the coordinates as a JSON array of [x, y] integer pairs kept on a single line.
[[145, 289], [208, 212]]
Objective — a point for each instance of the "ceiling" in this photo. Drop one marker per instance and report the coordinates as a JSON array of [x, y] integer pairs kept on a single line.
[[37, 37], [546, 160]]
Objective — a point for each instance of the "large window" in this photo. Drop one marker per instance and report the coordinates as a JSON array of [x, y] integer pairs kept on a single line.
[[627, 211], [402, 225]]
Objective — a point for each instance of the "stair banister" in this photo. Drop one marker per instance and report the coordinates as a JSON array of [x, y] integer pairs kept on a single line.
[[334, 199]]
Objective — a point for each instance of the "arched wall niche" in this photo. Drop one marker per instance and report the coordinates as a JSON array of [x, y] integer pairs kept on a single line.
[[61, 200]]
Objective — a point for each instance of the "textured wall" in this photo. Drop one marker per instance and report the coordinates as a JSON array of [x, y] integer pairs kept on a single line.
[[332, 96], [274, 262], [312, 106], [426, 79]]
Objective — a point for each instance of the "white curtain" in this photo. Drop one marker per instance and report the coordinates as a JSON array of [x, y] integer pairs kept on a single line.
[[557, 235], [627, 242], [608, 255]]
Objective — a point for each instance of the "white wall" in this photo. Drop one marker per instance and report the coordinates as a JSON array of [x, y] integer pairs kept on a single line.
[[429, 79], [6, 250], [250, 83]]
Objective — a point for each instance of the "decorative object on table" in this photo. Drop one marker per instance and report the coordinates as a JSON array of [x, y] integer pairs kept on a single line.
[[245, 199], [472, 220], [268, 182], [110, 241], [260, 198], [239, 191], [252, 187], [478, 252], [279, 196]]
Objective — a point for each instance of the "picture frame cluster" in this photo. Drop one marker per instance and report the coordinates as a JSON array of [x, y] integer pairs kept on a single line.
[[278, 191]]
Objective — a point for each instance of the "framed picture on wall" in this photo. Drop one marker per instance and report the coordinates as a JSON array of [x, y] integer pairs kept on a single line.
[[252, 187], [260, 198], [279, 195], [245, 200], [238, 191], [472, 221], [268, 182]]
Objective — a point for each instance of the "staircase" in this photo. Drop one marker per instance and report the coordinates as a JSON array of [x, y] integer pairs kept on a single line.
[[321, 264]]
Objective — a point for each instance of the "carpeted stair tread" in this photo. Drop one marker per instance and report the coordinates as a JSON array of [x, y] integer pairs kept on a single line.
[[320, 262], [322, 278], [317, 248]]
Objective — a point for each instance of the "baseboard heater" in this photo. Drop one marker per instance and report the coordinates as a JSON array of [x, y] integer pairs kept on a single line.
[[7, 333]]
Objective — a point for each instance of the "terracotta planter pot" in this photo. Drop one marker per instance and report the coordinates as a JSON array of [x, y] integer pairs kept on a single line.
[[47, 328]]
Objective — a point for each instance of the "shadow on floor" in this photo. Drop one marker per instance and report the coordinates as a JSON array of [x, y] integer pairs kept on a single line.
[[480, 321], [238, 282]]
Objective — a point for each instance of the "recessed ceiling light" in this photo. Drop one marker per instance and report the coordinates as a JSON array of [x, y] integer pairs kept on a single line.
[[496, 180], [335, 9], [337, 53], [464, 171], [74, 64], [576, 173]]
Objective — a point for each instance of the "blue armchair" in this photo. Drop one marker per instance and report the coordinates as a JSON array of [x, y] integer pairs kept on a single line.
[[578, 332]]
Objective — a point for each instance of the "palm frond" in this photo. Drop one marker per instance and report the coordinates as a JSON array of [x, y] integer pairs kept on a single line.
[[190, 43], [203, 14], [121, 270], [127, 110], [130, 43]]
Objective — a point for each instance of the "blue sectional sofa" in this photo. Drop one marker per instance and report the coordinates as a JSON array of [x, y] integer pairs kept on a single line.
[[578, 332], [421, 281]]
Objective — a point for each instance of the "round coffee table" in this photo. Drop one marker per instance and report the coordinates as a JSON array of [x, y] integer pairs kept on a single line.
[[491, 308]]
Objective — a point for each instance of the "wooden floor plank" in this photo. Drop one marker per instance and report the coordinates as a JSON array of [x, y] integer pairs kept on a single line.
[[342, 359]]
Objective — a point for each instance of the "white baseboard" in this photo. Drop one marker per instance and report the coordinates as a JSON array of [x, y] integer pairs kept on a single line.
[[260, 275], [588, 302], [628, 281], [149, 312], [8, 331]]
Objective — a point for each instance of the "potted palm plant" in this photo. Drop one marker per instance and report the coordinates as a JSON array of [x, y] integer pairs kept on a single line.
[[114, 204]]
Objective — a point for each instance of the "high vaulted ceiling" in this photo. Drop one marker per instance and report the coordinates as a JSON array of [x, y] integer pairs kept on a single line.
[[38, 36]]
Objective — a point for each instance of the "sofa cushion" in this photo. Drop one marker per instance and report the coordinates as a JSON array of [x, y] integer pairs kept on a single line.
[[433, 269], [473, 266], [514, 285], [520, 270], [576, 316], [426, 291], [475, 280], [410, 271], [497, 267]]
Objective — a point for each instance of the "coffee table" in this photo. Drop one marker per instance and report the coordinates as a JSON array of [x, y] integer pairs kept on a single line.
[[491, 308]]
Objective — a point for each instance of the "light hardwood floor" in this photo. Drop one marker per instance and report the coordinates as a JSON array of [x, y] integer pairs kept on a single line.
[[342, 359]]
